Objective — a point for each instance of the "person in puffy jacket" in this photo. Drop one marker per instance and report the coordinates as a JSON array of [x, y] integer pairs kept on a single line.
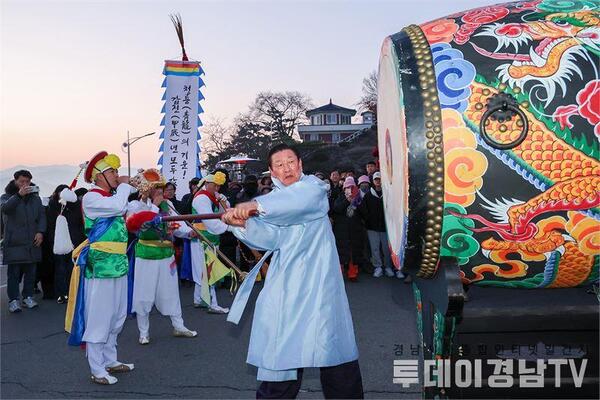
[[24, 223], [348, 230]]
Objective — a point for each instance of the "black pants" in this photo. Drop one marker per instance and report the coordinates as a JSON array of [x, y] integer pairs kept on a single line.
[[63, 266], [13, 274], [339, 382]]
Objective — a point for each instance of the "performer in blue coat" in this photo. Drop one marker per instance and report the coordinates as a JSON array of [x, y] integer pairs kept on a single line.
[[302, 318]]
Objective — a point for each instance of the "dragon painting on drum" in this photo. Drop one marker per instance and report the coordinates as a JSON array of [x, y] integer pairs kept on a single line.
[[494, 125]]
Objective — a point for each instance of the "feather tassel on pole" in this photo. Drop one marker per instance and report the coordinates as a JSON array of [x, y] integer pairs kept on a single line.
[[74, 182], [176, 19]]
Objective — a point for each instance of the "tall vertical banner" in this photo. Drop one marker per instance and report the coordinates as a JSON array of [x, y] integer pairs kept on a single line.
[[180, 150]]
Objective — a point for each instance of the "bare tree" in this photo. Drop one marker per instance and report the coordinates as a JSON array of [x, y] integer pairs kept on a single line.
[[216, 136], [272, 117], [368, 100], [278, 113]]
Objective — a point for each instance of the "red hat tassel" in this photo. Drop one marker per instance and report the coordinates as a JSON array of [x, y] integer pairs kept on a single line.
[[81, 168]]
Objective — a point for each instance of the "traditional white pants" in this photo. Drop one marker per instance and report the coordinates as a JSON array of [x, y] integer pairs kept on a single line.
[[105, 312], [156, 284], [213, 295]]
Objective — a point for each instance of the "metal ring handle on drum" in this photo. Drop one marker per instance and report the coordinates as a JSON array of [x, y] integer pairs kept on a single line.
[[503, 107]]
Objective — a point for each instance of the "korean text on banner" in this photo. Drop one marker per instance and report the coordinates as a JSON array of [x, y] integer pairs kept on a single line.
[[180, 159]]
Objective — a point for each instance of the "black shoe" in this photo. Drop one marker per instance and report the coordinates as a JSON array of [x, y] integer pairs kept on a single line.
[[61, 300]]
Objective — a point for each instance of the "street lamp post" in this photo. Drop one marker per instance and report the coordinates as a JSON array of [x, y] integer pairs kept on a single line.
[[128, 144]]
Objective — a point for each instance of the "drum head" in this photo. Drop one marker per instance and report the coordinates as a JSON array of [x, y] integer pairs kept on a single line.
[[391, 131]]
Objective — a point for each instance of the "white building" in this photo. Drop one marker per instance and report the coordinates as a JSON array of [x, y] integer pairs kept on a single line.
[[331, 123]]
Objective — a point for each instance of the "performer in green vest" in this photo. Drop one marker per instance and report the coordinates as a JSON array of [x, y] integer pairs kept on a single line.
[[106, 269], [207, 200], [156, 282]]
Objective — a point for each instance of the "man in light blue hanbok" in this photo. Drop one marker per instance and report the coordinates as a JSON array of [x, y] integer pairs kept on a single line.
[[302, 317]]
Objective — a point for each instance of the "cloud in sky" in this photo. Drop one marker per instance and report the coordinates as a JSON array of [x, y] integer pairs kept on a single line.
[[75, 76]]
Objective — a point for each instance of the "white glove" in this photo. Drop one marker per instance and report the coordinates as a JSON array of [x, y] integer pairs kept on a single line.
[[67, 195]]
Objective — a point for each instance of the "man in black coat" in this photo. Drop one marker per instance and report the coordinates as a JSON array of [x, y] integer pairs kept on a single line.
[[185, 205], [371, 211], [24, 222]]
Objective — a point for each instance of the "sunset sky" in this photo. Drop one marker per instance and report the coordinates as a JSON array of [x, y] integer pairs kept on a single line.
[[76, 75]]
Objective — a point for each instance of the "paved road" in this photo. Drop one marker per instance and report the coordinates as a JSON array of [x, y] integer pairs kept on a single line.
[[37, 363]]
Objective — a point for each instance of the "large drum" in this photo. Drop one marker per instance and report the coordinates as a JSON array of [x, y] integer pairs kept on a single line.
[[489, 128]]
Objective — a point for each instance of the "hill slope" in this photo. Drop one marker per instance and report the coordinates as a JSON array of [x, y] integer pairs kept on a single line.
[[355, 154]]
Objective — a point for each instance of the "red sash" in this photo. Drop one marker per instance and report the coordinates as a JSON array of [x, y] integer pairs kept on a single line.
[[208, 194]]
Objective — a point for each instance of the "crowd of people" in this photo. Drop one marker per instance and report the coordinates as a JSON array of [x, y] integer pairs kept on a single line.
[[355, 210], [357, 217]]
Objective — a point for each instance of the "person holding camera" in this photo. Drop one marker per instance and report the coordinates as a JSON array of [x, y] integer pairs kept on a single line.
[[24, 222]]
